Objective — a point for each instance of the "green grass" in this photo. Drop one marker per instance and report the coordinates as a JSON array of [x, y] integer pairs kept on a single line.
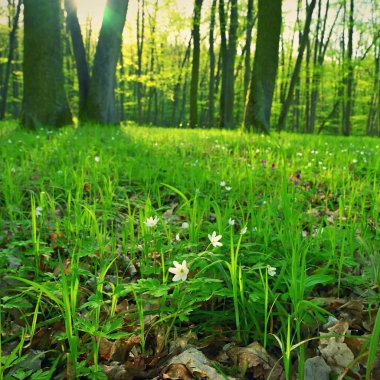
[[90, 249]]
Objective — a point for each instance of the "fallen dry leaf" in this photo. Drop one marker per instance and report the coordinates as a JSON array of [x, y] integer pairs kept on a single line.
[[255, 359]]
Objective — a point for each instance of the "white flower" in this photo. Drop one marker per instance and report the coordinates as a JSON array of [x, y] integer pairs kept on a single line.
[[214, 239], [185, 225], [97, 159], [254, 229], [228, 188], [177, 237], [222, 183], [243, 230], [151, 222], [271, 270], [180, 271], [38, 211], [231, 221]]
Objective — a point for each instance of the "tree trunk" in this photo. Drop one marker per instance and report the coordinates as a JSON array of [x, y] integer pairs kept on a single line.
[[349, 79], [248, 41], [45, 101], [211, 90], [195, 64], [297, 68], [140, 28], [223, 62], [177, 86], [264, 71], [101, 104], [12, 47], [81, 62], [122, 84], [229, 67]]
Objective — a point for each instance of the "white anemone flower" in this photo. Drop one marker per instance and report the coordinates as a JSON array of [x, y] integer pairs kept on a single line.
[[185, 225], [222, 183], [39, 211], [151, 222], [177, 237], [243, 231], [231, 221], [271, 270], [180, 271], [214, 239]]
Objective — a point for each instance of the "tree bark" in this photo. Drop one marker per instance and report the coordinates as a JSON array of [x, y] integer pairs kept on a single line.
[[122, 85], [44, 101], [349, 78], [297, 68], [81, 62], [264, 71], [8, 69], [248, 42], [140, 28], [100, 105], [227, 106], [211, 90], [195, 64]]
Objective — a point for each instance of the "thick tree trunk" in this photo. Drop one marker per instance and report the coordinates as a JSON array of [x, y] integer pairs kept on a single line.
[[264, 71], [8, 69], [83, 72], [195, 64], [101, 103], [44, 101], [297, 68]]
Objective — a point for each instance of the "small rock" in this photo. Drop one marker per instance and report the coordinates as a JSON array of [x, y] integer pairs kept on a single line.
[[317, 369]]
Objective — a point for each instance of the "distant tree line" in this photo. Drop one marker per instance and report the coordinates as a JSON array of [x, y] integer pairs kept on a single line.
[[237, 66]]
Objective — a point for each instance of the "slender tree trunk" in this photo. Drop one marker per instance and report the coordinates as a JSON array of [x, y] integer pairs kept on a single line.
[[248, 42], [152, 42], [349, 80], [140, 46], [264, 71], [305, 36], [101, 104], [230, 67], [122, 84], [223, 62], [16, 81], [211, 90], [44, 101], [177, 86], [373, 120], [307, 87], [195, 64], [12, 47], [81, 62]]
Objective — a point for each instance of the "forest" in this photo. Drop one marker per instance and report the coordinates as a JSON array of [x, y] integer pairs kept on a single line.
[[189, 189]]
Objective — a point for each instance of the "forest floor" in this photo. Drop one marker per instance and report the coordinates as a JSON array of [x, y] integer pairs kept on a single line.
[[274, 242]]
